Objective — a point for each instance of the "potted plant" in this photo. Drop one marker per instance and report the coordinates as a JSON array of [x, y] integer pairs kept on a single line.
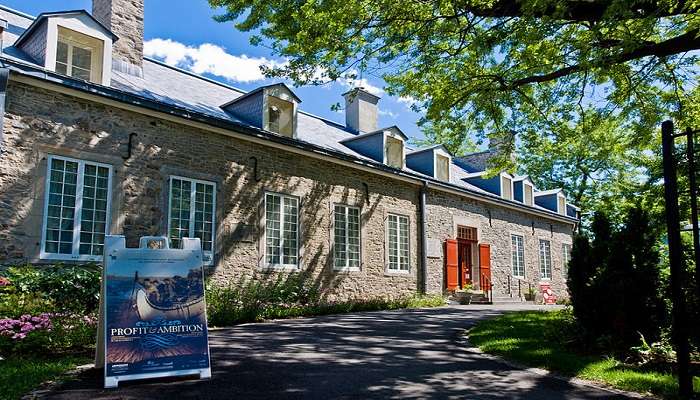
[[530, 294], [463, 295]]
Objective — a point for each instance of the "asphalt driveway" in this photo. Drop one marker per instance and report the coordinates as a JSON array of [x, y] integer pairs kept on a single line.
[[411, 354]]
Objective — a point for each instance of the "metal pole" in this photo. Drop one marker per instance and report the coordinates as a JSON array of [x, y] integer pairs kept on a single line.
[[679, 328], [694, 204]]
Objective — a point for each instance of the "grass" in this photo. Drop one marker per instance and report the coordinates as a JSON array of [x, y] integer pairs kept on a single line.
[[20, 375], [522, 337]]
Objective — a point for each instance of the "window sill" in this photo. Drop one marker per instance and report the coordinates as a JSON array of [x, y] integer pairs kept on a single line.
[[69, 257], [397, 273], [346, 270], [279, 268]]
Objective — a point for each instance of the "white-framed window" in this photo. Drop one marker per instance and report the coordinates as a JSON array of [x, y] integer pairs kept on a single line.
[[192, 213], [561, 204], [517, 247], [346, 237], [398, 243], [281, 230], [442, 167], [565, 257], [527, 194], [545, 259], [393, 150], [280, 114], [76, 209], [79, 55], [506, 188]]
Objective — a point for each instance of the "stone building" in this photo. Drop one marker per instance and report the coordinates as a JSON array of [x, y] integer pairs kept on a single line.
[[96, 139]]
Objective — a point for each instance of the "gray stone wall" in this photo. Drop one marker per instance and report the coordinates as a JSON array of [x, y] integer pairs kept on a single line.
[[39, 122], [125, 19], [446, 211]]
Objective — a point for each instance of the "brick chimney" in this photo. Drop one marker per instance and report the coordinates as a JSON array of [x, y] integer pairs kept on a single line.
[[360, 110], [125, 19]]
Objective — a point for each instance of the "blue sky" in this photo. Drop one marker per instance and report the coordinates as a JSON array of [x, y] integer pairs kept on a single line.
[[183, 33]]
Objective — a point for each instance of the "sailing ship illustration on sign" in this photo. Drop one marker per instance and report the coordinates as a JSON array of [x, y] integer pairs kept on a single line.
[[150, 302]]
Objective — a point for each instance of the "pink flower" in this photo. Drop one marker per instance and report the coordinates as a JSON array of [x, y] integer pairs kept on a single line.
[[4, 281]]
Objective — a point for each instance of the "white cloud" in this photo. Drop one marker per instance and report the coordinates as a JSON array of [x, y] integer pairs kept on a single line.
[[387, 113], [407, 100], [208, 58], [349, 82]]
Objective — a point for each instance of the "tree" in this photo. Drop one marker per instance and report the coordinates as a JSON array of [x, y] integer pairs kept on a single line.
[[497, 65]]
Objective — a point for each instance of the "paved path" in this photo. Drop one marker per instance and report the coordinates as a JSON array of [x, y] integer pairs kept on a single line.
[[414, 354]]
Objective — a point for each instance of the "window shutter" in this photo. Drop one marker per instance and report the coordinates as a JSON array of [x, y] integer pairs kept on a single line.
[[451, 264]]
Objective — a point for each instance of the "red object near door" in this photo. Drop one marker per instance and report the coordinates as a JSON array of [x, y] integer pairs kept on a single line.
[[485, 266], [451, 265]]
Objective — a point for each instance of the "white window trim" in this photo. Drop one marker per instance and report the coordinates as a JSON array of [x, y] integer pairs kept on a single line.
[[500, 183], [280, 266], [387, 268], [512, 267], [94, 65], [74, 256], [564, 264], [209, 255], [347, 268], [539, 255], [561, 196]]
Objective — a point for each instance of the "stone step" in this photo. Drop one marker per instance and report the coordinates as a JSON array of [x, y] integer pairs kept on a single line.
[[506, 299]]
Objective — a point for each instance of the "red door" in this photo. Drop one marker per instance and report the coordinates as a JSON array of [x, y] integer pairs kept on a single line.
[[451, 265], [465, 261], [485, 266]]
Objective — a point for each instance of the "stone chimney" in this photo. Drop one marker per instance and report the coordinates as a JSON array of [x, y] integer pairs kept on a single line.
[[360, 110], [125, 19]]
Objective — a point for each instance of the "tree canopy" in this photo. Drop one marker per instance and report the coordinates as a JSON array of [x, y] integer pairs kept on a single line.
[[580, 85]]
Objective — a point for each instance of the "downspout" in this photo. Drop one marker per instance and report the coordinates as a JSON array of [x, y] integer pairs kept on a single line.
[[4, 78], [423, 237]]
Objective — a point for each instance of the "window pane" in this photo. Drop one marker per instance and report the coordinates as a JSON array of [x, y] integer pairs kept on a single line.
[[289, 255], [61, 210], [82, 58], [518, 255], [273, 206], [94, 212], [346, 237], [398, 256], [204, 215], [179, 211], [61, 54], [340, 237], [442, 165], [545, 259]]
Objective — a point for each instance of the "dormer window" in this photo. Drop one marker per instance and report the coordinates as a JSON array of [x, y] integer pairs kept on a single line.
[[506, 187], [442, 167], [393, 152], [562, 205], [78, 55], [528, 193], [70, 43], [280, 116]]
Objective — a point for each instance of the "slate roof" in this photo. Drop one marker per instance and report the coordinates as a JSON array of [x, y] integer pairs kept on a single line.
[[176, 87]]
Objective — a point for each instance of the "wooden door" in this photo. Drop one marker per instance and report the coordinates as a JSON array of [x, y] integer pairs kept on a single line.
[[465, 263], [485, 266], [451, 265]]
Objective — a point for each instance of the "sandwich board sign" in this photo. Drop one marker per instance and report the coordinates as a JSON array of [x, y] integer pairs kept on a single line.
[[152, 311]]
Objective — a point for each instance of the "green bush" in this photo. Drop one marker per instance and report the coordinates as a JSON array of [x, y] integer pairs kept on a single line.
[[614, 282], [252, 300], [13, 305], [69, 287]]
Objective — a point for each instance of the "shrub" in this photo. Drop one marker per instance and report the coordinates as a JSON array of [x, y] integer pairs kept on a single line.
[[289, 296], [614, 282], [70, 288], [47, 334], [14, 305]]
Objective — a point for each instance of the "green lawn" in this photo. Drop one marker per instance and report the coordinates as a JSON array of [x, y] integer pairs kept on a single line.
[[519, 337], [20, 375]]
